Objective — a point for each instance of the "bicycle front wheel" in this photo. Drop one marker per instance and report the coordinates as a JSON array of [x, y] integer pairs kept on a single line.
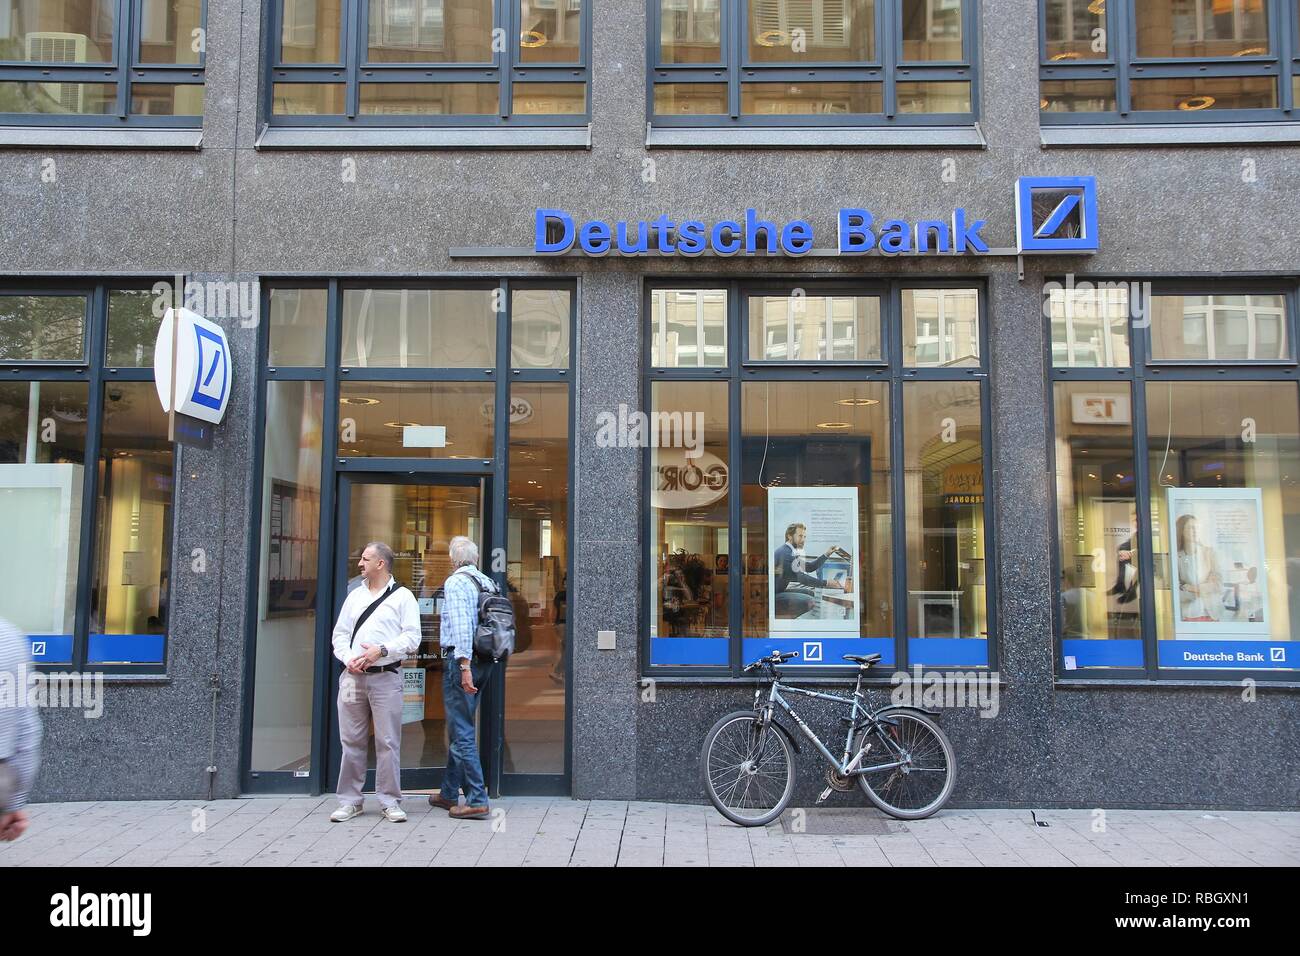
[[925, 780], [748, 769]]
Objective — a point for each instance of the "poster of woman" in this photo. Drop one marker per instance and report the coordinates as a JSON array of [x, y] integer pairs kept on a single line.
[[1219, 584]]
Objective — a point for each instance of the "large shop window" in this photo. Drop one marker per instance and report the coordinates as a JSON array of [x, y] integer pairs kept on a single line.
[[812, 62], [86, 476], [854, 419], [1168, 61], [1177, 437], [418, 380], [102, 62], [430, 63]]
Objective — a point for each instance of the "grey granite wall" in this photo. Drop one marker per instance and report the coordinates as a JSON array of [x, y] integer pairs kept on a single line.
[[230, 210]]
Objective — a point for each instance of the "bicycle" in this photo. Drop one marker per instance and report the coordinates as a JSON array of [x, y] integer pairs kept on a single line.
[[748, 758]]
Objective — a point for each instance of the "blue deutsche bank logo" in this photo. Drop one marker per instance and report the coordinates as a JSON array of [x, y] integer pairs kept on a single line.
[[1057, 214], [211, 383]]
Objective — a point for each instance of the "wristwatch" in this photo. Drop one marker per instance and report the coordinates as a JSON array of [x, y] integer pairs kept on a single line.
[[465, 666], [383, 651]]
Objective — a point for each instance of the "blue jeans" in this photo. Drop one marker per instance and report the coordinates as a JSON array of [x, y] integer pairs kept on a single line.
[[464, 768]]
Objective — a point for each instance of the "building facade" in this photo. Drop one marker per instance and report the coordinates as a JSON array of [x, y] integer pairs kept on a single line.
[[991, 307]]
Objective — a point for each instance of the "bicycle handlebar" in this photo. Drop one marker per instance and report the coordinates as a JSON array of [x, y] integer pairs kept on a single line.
[[776, 657]]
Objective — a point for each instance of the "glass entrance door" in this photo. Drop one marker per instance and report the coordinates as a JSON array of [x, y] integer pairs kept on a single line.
[[417, 517]]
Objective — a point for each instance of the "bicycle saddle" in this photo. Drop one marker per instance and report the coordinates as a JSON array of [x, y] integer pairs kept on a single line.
[[866, 660]]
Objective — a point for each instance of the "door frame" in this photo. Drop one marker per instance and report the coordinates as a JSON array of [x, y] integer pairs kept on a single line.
[[413, 779], [330, 374]]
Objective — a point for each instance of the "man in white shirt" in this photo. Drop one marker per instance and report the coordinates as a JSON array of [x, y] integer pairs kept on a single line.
[[378, 627]]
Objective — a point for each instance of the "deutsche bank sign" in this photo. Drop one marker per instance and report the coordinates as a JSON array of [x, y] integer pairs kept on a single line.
[[1053, 214], [202, 365]]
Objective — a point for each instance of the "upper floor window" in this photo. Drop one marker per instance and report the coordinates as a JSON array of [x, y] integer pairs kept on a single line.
[[1168, 60], [429, 62], [102, 62], [812, 62]]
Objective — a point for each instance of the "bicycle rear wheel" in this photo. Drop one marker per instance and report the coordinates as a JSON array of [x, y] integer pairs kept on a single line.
[[924, 782], [748, 769]]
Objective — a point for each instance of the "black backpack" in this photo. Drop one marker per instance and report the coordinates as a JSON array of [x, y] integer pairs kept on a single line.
[[494, 638]]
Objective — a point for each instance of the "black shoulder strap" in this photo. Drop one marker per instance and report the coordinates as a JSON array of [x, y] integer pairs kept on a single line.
[[374, 606]]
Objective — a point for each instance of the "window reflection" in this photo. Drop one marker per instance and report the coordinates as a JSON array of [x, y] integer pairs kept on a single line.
[[133, 518], [947, 593], [822, 436], [537, 574], [690, 31], [539, 328], [1090, 325], [1230, 328], [288, 577], [812, 31], [419, 328], [430, 31], [42, 473], [809, 328], [941, 327], [550, 31], [689, 489], [688, 328], [310, 31], [1096, 501], [1197, 28], [1225, 514], [1075, 29], [932, 30]]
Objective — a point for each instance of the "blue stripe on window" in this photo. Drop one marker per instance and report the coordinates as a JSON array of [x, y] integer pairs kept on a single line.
[[125, 649]]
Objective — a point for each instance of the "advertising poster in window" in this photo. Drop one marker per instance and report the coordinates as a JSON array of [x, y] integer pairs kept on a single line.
[[814, 538], [412, 694], [1219, 581]]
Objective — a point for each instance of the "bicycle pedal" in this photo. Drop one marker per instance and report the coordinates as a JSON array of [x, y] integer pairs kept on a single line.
[[825, 793]]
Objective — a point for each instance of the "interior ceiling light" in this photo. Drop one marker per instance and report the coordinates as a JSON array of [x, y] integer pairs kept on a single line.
[[1068, 55], [1097, 7], [1194, 103], [858, 402], [402, 424], [532, 39], [832, 425], [358, 401], [1252, 51], [772, 38]]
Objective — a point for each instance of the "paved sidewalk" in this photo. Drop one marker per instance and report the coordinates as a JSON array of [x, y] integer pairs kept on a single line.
[[295, 831]]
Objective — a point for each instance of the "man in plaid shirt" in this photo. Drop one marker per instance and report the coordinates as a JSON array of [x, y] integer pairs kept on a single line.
[[20, 734], [462, 676]]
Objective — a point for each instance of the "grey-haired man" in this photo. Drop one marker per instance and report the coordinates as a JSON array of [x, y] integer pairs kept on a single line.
[[463, 676], [378, 627]]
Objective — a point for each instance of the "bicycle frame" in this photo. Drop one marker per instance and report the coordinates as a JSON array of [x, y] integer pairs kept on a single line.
[[844, 765]]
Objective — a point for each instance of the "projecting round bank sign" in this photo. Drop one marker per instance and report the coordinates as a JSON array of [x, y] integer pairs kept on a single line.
[[202, 365], [681, 482]]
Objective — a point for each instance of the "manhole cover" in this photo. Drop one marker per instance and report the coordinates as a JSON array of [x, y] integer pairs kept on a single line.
[[846, 822]]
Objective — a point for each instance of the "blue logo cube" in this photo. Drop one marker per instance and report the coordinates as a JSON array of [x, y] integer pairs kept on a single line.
[[1057, 214]]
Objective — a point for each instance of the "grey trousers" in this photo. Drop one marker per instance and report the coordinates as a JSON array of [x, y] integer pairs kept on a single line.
[[363, 698]]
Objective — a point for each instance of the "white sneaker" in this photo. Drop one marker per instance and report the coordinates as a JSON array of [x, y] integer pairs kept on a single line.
[[394, 814], [345, 813]]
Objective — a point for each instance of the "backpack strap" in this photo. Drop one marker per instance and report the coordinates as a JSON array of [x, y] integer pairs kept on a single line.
[[374, 606]]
